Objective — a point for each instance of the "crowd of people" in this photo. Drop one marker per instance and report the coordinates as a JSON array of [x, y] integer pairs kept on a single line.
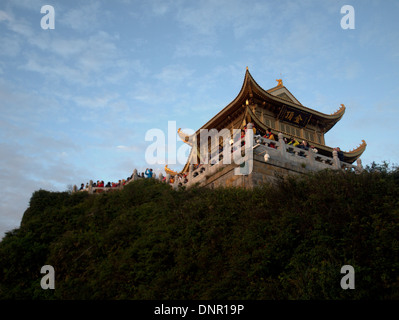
[[100, 183], [292, 141], [303, 145]]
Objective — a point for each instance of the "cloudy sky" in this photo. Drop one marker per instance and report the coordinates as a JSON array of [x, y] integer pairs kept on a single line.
[[76, 101]]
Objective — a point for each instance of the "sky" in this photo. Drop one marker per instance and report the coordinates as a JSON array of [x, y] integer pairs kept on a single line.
[[77, 100]]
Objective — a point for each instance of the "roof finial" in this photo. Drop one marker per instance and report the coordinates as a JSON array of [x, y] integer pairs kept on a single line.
[[247, 68], [280, 82]]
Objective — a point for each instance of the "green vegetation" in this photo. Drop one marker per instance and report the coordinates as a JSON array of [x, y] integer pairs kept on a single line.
[[148, 241]]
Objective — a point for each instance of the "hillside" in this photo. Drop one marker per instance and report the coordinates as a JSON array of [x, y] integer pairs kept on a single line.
[[148, 241]]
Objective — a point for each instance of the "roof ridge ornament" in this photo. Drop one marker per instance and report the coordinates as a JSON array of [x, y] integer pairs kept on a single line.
[[169, 171], [184, 137], [341, 109], [280, 82], [361, 146]]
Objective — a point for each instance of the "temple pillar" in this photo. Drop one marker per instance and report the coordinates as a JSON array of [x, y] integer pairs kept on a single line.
[[283, 149], [336, 161], [359, 167], [91, 186], [175, 182], [310, 157]]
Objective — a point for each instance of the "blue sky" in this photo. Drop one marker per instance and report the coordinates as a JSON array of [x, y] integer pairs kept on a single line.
[[77, 101]]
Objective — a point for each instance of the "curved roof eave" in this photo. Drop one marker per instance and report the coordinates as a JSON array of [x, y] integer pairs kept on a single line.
[[354, 154], [250, 85]]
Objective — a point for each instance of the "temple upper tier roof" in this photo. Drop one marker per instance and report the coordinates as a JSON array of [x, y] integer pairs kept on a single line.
[[279, 97]]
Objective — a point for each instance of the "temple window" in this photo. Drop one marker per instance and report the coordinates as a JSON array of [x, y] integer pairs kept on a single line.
[[290, 130], [309, 136], [319, 137], [270, 123]]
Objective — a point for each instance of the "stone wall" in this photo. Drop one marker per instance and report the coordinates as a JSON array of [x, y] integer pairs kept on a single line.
[[262, 172]]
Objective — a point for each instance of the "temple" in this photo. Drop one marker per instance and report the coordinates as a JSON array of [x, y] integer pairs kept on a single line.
[[278, 110], [259, 136]]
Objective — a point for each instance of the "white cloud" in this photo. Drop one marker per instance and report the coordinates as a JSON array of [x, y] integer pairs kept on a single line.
[[210, 17], [31, 163], [21, 28], [4, 16], [174, 73], [127, 148], [93, 61], [16, 25], [9, 46], [161, 7], [197, 47], [68, 47], [33, 5], [82, 18], [101, 101]]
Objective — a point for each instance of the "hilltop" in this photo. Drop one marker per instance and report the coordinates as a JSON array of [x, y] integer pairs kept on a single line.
[[148, 241]]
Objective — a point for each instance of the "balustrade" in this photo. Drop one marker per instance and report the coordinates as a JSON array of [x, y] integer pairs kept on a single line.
[[276, 150]]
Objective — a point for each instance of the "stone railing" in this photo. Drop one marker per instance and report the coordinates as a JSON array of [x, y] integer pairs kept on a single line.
[[198, 173], [270, 149], [306, 158]]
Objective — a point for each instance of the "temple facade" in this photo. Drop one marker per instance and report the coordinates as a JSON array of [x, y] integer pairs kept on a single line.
[[262, 112]]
